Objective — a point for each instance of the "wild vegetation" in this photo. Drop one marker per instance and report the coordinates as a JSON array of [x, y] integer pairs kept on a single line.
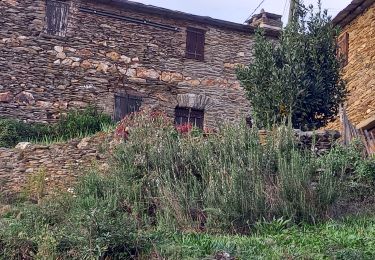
[[349, 239], [73, 124], [182, 193], [171, 191], [297, 76]]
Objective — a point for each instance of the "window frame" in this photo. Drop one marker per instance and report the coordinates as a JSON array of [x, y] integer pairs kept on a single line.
[[59, 26], [118, 114], [183, 115], [195, 43]]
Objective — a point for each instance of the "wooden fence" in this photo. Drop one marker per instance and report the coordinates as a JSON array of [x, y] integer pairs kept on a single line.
[[350, 132]]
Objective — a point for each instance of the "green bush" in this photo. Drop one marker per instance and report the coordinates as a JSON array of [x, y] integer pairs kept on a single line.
[[366, 169], [13, 132], [359, 176], [90, 224], [76, 123], [225, 181], [352, 159], [299, 76], [162, 182]]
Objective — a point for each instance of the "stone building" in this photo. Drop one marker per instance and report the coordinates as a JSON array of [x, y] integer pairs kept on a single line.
[[357, 45], [122, 56]]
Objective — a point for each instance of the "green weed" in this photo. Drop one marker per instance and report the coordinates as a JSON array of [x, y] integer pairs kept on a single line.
[[74, 124], [347, 239], [195, 196]]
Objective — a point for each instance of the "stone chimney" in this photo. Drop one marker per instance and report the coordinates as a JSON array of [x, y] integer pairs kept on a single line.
[[266, 20]]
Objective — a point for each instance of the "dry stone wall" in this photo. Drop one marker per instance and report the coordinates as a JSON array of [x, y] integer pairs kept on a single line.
[[318, 142], [64, 162], [41, 75], [360, 71], [61, 162]]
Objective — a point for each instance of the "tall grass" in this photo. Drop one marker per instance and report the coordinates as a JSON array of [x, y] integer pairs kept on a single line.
[[225, 181], [88, 224], [162, 181]]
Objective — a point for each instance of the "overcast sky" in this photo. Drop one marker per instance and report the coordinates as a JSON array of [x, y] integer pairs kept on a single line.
[[239, 10]]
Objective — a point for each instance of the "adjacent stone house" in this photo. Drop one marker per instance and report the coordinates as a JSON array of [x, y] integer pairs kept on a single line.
[[357, 45], [122, 56]]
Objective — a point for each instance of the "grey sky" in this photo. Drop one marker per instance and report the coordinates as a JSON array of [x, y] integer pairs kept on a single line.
[[239, 10]]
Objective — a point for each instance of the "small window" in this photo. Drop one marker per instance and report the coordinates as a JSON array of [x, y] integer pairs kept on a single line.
[[189, 116], [57, 17], [195, 43], [125, 105], [343, 49]]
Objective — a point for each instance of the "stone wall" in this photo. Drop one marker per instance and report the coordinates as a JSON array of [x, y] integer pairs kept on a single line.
[[61, 162], [64, 162], [360, 71], [41, 75], [319, 142]]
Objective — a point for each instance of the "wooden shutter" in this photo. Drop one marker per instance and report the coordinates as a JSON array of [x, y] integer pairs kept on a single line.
[[125, 105], [57, 17], [200, 46], [191, 39], [343, 49], [118, 108], [134, 104], [189, 115], [195, 39]]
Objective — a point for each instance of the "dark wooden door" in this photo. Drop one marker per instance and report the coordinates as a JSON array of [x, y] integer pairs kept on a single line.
[[125, 105]]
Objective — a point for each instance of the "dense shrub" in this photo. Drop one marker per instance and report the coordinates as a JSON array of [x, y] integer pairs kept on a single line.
[[13, 132], [224, 181], [75, 123], [163, 179], [299, 76], [358, 187], [90, 224], [366, 169]]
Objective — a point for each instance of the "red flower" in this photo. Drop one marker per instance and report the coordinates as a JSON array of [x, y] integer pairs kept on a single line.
[[184, 128], [122, 131]]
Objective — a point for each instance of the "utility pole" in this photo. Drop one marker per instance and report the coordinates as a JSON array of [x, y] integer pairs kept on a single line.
[[294, 4]]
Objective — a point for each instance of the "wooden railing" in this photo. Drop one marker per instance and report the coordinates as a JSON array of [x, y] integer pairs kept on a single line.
[[349, 132]]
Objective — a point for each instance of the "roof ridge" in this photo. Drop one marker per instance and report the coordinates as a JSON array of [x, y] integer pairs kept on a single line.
[[352, 11], [174, 14]]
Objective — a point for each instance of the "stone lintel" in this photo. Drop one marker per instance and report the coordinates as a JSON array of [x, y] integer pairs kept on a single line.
[[193, 101]]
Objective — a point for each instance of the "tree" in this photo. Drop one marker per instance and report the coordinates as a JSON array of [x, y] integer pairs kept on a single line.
[[297, 77]]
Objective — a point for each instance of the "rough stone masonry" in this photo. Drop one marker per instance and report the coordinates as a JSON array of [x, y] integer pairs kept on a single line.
[[63, 163], [359, 72], [57, 55]]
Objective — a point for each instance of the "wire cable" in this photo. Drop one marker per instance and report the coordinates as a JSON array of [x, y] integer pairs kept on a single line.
[[255, 9]]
